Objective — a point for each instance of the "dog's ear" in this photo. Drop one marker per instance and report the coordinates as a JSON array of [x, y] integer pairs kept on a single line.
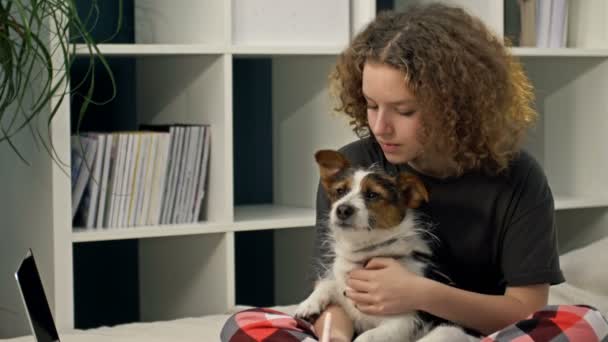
[[412, 189], [330, 162]]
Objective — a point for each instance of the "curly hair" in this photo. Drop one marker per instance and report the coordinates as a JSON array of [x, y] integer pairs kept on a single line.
[[477, 94]]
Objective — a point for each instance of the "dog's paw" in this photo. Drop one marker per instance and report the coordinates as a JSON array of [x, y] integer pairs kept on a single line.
[[310, 309]]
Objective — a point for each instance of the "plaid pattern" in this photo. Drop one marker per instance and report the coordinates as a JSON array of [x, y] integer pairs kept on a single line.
[[263, 324], [554, 323], [557, 323]]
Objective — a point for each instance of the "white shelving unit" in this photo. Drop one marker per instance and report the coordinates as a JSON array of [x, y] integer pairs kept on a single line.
[[184, 57]]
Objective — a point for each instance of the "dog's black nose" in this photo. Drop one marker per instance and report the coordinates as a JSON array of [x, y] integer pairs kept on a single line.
[[344, 211]]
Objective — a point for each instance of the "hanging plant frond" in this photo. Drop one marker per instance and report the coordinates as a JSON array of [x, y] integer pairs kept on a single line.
[[37, 49]]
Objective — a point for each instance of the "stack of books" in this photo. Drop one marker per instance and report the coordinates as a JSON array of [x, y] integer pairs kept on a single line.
[[154, 176]]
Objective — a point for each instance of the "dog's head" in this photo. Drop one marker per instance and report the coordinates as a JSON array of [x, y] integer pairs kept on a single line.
[[366, 199]]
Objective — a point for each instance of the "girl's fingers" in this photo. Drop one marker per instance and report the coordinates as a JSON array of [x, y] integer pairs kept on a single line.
[[360, 297], [359, 285], [370, 309]]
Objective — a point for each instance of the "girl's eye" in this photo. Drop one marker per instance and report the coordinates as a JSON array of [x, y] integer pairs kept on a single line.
[[408, 113], [370, 195], [372, 107]]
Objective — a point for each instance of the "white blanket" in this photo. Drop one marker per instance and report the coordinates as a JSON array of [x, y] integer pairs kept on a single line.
[[584, 269]]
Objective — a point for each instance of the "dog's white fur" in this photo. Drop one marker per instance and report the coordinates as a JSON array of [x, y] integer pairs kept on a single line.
[[351, 246]]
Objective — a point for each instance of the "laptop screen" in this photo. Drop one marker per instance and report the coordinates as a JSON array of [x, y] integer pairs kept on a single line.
[[37, 306]]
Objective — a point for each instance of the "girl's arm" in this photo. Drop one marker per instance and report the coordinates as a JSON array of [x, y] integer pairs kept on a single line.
[[484, 313], [385, 288]]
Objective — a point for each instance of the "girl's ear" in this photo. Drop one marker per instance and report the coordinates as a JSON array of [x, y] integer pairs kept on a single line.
[[412, 190], [330, 163]]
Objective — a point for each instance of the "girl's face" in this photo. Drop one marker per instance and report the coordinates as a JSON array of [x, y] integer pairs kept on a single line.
[[392, 112]]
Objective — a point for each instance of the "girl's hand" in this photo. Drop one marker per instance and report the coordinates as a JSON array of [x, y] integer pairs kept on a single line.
[[385, 287]]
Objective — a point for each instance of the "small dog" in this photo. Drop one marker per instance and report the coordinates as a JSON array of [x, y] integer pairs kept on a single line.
[[371, 215]]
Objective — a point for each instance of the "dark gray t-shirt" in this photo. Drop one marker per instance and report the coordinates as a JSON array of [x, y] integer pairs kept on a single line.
[[494, 231]]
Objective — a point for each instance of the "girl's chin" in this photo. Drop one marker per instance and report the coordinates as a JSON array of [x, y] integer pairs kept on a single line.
[[396, 158]]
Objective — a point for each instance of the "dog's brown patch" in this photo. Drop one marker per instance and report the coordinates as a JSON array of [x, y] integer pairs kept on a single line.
[[334, 171], [333, 187], [412, 189], [331, 163], [385, 209], [373, 183]]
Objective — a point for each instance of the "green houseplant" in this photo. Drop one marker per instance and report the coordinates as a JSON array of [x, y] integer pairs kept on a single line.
[[37, 49]]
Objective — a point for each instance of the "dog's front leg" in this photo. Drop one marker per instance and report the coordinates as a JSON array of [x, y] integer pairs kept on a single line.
[[397, 329], [318, 300]]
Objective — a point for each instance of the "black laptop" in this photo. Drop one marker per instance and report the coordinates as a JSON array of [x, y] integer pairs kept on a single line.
[[34, 299]]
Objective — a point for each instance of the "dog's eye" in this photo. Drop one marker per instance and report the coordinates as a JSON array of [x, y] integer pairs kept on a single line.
[[370, 195], [340, 192]]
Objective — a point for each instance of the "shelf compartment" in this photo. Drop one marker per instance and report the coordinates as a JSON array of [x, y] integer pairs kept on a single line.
[[570, 137], [106, 286], [193, 90], [303, 122], [186, 276], [157, 21], [490, 12], [286, 278], [169, 90], [290, 22], [577, 228], [184, 22], [282, 116]]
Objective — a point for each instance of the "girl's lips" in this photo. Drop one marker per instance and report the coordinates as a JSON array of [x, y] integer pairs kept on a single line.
[[389, 148]]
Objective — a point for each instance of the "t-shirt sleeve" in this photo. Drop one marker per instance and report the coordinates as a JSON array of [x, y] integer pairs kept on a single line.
[[529, 250]]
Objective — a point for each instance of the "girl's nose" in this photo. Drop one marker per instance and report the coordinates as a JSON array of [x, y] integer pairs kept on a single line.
[[382, 125]]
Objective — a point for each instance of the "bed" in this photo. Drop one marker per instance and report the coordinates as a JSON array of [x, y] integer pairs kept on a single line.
[[587, 283]]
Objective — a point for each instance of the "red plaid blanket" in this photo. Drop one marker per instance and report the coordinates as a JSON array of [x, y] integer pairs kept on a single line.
[[557, 323], [267, 325], [554, 323]]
